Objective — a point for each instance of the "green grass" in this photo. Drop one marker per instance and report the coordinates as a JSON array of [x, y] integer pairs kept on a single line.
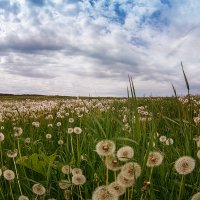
[[99, 119]]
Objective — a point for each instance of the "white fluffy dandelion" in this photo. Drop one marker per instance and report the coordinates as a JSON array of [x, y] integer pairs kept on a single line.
[[78, 179], [2, 137], [116, 189], [125, 153], [105, 148], [154, 159], [131, 170], [64, 184], [9, 175], [184, 165], [76, 171], [38, 189], [66, 169], [77, 130], [198, 154], [23, 197], [196, 196], [124, 182], [101, 193]]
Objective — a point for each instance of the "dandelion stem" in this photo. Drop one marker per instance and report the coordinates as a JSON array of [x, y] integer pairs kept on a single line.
[[17, 176], [80, 192], [1, 155], [2, 194], [11, 191], [106, 173], [78, 153], [72, 147], [20, 155], [179, 195]]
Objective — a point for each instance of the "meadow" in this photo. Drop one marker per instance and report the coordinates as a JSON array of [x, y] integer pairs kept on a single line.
[[100, 148]]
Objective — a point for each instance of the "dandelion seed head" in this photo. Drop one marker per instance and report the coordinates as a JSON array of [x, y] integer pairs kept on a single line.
[[76, 171], [125, 153], [116, 189], [71, 120], [70, 130], [66, 169], [131, 170], [18, 131], [113, 163], [184, 165], [60, 142], [196, 196], [78, 179], [154, 159], [198, 154], [105, 147], [27, 140], [162, 138], [2, 137], [169, 141], [23, 197], [38, 189], [64, 184], [9, 175], [48, 136], [77, 130], [101, 193], [124, 182], [12, 153]]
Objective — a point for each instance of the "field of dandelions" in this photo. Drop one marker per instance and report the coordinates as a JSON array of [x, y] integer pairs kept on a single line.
[[100, 149]]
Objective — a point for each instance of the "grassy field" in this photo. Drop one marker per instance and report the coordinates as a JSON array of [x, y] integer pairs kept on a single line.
[[100, 149]]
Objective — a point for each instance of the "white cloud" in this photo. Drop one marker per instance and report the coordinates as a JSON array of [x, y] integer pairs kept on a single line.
[[75, 48]]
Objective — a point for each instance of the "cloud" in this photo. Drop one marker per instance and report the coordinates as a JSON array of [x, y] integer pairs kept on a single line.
[[99, 42]]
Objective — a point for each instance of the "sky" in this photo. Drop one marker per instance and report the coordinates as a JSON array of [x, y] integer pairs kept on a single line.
[[89, 47]]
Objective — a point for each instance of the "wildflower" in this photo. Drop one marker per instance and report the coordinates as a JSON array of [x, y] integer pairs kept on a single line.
[[113, 163], [78, 179], [131, 170], [169, 141], [18, 131], [163, 138], [64, 184], [105, 147], [38, 189], [58, 124], [12, 154], [27, 140], [60, 142], [9, 175], [48, 136], [71, 120], [198, 154], [76, 171], [185, 165], [154, 159], [124, 182], [50, 125], [196, 196], [66, 169], [116, 189], [22, 197], [70, 130], [77, 130], [36, 124], [125, 153], [2, 137], [101, 193]]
